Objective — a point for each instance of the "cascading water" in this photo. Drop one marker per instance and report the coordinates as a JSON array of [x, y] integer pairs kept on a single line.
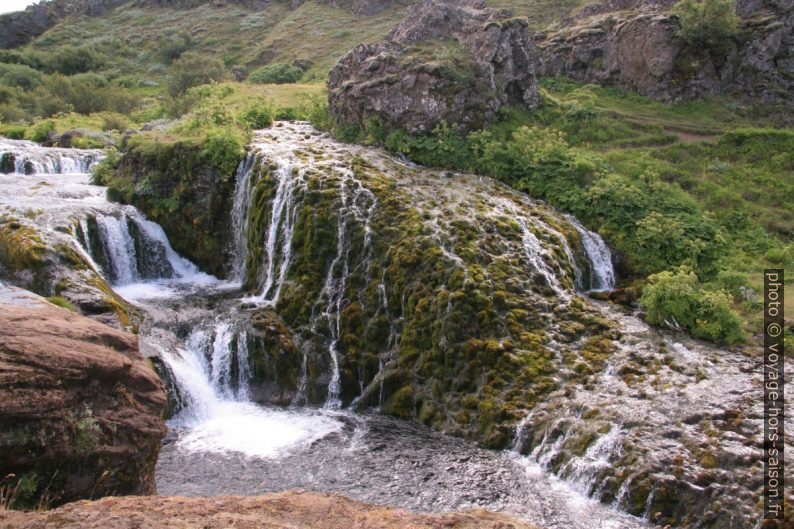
[[240, 214], [200, 330], [602, 273], [29, 158]]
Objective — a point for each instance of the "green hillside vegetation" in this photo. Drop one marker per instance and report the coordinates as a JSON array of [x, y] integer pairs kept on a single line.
[[696, 197], [700, 190]]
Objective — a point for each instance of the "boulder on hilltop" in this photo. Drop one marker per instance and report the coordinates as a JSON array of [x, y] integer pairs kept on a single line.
[[458, 62]]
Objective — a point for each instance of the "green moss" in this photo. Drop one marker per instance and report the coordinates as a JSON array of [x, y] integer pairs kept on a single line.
[[62, 302]]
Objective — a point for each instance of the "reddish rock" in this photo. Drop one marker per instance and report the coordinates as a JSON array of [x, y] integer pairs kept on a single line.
[[80, 408], [286, 510]]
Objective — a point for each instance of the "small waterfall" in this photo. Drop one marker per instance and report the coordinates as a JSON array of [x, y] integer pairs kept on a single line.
[[278, 243], [358, 203], [135, 249], [29, 158], [119, 248], [602, 273], [240, 216], [535, 253]]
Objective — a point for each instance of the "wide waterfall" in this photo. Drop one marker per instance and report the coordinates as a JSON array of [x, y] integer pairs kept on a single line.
[[208, 334]]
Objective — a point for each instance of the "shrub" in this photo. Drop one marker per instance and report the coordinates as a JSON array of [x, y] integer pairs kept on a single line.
[[708, 23], [41, 132], [223, 148], [276, 73], [194, 69], [21, 76], [13, 132], [259, 116], [678, 299], [70, 60]]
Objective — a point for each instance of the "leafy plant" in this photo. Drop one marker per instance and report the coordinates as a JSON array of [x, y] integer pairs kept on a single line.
[[276, 73], [678, 300], [709, 23], [194, 69]]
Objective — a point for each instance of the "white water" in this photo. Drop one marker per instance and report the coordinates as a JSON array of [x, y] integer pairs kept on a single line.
[[240, 217], [602, 273], [217, 416], [32, 159], [220, 420]]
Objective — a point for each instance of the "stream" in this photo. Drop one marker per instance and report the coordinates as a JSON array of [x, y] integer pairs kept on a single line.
[[222, 442]]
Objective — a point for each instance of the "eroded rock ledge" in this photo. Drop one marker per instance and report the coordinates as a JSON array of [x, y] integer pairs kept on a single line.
[[458, 62], [293, 510], [80, 409]]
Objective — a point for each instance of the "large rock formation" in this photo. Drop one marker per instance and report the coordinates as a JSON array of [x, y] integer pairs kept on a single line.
[[634, 44], [453, 62], [295, 509], [79, 407]]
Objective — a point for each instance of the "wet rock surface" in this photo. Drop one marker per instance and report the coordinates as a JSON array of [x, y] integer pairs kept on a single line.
[[80, 409], [668, 429], [386, 461], [293, 510], [633, 44], [459, 62]]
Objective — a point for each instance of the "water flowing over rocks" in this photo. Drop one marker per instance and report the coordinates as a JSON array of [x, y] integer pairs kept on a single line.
[[458, 62], [80, 409], [294, 510], [363, 283], [633, 44]]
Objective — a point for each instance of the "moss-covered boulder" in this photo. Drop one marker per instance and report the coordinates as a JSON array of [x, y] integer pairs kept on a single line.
[[184, 187], [445, 298]]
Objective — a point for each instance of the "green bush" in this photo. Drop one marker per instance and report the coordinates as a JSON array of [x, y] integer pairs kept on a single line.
[[20, 75], [70, 60], [708, 23], [224, 147], [259, 117], [41, 132], [678, 299], [13, 132], [194, 69], [276, 73]]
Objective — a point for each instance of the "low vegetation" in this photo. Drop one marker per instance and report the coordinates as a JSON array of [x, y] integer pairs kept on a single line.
[[667, 186]]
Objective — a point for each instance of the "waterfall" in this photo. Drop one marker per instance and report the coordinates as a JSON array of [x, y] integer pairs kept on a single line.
[[602, 273], [119, 248], [29, 158], [240, 216], [535, 253], [359, 203], [278, 241]]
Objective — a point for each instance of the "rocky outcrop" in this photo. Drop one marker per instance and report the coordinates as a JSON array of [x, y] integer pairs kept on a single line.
[[49, 264], [634, 45], [79, 407], [180, 187], [23, 26], [453, 62], [295, 509]]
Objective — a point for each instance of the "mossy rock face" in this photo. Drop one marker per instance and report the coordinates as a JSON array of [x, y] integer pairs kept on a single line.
[[48, 263], [423, 286], [177, 185]]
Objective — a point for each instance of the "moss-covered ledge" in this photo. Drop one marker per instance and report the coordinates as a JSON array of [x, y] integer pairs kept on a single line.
[[184, 184]]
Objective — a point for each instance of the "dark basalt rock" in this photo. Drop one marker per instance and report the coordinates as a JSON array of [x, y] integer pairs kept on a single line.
[[454, 62]]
